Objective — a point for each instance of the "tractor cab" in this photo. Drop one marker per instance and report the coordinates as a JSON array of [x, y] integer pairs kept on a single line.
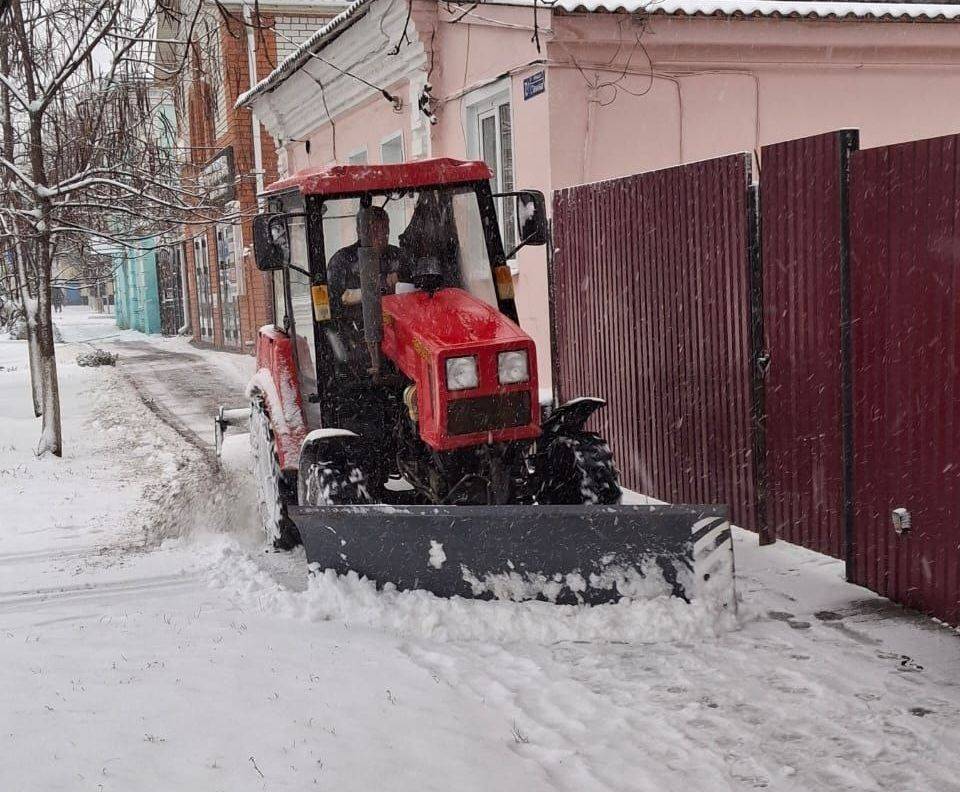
[[431, 239]]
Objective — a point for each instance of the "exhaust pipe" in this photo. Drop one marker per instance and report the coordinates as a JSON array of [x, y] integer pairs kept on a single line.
[[371, 301]]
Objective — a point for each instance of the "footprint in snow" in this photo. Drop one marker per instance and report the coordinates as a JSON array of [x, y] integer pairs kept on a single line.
[[905, 662], [790, 619], [827, 615]]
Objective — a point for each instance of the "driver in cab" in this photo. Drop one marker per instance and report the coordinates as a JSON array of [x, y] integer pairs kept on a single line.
[[343, 269]]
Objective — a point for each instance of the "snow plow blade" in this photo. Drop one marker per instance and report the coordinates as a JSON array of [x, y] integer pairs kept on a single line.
[[564, 554]]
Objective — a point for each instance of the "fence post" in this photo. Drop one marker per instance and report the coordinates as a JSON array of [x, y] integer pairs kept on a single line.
[[758, 363], [849, 142]]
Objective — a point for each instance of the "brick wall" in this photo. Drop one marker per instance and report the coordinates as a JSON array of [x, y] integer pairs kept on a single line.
[[255, 303], [293, 31]]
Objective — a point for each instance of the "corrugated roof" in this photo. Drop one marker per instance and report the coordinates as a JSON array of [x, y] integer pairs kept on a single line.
[[813, 9], [805, 9]]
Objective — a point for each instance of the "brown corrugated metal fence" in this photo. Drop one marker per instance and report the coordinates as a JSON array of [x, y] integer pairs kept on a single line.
[[803, 208], [652, 312], [656, 295], [905, 266]]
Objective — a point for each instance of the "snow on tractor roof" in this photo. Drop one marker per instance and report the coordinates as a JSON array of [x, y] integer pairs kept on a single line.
[[343, 179]]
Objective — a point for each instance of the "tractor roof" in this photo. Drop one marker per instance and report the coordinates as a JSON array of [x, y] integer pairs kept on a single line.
[[342, 179]]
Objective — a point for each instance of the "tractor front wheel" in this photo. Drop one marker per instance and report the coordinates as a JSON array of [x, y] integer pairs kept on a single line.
[[273, 490], [575, 468]]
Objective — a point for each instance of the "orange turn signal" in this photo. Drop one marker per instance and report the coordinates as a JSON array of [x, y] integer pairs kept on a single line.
[[321, 302], [504, 280]]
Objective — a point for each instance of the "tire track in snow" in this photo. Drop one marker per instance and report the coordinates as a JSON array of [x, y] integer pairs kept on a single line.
[[38, 557], [91, 593]]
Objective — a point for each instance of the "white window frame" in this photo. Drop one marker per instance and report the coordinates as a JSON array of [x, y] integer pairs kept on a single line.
[[398, 135], [398, 217], [356, 153], [480, 104], [239, 253]]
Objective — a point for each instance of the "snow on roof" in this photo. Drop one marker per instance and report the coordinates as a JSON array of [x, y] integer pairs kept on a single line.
[[301, 55], [807, 9]]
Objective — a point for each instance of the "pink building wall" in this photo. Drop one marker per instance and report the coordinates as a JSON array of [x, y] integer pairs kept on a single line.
[[625, 95], [728, 85], [366, 126], [471, 56]]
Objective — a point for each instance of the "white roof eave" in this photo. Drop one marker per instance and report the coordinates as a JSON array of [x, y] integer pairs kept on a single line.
[[806, 9]]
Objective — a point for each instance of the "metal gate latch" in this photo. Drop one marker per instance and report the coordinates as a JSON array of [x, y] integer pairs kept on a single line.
[[763, 363], [901, 521]]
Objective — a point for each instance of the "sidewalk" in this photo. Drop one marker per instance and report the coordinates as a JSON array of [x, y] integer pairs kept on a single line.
[[145, 650]]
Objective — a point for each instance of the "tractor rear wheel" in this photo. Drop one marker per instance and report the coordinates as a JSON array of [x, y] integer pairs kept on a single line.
[[576, 468], [335, 481], [273, 490]]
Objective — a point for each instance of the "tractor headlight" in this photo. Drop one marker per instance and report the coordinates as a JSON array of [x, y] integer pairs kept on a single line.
[[512, 367], [462, 373]]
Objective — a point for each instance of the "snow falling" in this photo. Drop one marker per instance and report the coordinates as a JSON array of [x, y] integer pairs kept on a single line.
[[148, 635]]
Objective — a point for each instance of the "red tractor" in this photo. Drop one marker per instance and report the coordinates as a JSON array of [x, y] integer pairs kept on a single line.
[[395, 419]]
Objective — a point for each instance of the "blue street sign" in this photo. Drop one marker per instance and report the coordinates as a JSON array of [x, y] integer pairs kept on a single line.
[[534, 84]]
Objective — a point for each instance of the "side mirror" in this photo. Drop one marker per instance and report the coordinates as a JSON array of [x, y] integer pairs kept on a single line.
[[271, 242], [531, 218]]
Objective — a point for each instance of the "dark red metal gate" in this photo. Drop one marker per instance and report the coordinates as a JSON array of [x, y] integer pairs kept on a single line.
[[803, 204], [655, 287], [652, 306], [905, 266]]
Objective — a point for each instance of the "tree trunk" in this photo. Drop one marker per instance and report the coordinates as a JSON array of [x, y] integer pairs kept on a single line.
[[51, 438], [23, 278], [30, 309]]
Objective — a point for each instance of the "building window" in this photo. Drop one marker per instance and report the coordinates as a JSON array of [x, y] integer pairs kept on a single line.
[[391, 149], [227, 274], [391, 153], [490, 138], [201, 265], [358, 157]]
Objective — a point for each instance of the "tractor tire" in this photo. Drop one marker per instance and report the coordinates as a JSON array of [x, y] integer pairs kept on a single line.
[[576, 469], [273, 491], [338, 481]]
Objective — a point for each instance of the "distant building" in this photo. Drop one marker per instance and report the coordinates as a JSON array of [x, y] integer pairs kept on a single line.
[[135, 278], [85, 280]]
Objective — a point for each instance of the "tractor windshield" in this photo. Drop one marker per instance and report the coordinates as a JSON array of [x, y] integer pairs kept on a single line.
[[438, 229]]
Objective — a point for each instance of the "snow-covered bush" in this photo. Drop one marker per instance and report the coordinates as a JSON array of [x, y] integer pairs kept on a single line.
[[17, 330], [98, 357]]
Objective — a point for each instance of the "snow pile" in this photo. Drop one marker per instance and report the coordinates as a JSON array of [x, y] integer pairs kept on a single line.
[[98, 357], [357, 602], [646, 583], [436, 558]]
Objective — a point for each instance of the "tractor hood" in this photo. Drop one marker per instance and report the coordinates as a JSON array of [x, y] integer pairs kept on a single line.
[[421, 332], [448, 320]]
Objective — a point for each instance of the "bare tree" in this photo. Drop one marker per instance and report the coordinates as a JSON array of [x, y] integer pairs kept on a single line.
[[87, 154]]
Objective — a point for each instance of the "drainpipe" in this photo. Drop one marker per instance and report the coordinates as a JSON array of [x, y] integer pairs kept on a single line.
[[184, 291], [257, 149], [252, 69]]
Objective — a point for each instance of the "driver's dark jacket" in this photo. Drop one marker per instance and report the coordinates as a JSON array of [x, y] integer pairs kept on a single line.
[[343, 272]]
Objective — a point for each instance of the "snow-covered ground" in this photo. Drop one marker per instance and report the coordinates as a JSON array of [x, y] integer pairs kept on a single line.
[[148, 641]]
